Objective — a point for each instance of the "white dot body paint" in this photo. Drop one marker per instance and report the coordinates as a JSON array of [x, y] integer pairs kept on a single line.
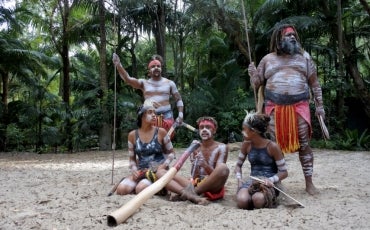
[[148, 117], [208, 134], [154, 69]]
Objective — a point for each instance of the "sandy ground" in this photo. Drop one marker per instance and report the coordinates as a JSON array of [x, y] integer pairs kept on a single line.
[[69, 191]]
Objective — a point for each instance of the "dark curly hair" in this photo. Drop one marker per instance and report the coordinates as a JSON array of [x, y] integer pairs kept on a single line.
[[207, 118], [139, 116], [257, 122]]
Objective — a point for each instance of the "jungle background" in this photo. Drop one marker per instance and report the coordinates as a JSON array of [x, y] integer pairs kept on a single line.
[[60, 92]]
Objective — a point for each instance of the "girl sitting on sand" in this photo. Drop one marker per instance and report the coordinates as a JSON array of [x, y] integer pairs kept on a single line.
[[267, 163]]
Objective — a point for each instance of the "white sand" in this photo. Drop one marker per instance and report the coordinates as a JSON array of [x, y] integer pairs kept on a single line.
[[69, 191]]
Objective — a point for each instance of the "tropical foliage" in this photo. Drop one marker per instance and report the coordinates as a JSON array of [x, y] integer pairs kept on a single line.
[[60, 92]]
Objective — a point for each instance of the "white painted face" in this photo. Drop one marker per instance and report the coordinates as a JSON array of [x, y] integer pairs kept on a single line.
[[155, 70], [206, 130], [150, 116], [245, 132]]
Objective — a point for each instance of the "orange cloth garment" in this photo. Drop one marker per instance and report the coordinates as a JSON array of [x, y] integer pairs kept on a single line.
[[286, 128], [286, 123], [165, 123]]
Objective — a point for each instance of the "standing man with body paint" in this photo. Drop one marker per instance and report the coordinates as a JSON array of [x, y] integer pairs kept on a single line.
[[209, 171], [288, 73], [158, 89]]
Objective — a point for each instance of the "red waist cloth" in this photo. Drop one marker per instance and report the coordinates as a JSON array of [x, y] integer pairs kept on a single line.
[[210, 196], [215, 196], [286, 124], [166, 124]]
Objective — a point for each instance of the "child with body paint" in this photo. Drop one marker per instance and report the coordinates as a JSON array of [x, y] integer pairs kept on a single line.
[[209, 170], [267, 163]]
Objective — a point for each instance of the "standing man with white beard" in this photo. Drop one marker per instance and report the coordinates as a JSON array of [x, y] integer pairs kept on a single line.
[[288, 73]]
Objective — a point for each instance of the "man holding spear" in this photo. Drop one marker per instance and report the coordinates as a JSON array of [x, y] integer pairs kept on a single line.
[[288, 73], [157, 88]]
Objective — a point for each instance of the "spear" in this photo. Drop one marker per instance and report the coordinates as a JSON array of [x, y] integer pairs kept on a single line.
[[249, 55]]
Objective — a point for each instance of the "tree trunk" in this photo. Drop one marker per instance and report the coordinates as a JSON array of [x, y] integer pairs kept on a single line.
[[359, 83], [159, 31], [340, 91], [4, 101], [105, 132], [66, 78]]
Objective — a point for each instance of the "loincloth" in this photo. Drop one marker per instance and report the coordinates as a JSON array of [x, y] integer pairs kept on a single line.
[[210, 195]]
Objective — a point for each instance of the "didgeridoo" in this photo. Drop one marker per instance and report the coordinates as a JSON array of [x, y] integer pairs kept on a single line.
[[121, 214]]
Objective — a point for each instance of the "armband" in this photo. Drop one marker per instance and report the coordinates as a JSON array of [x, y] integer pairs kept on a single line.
[[238, 175], [181, 115], [179, 103], [274, 178]]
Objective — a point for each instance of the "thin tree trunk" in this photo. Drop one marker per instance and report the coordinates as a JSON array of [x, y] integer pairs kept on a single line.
[[66, 78], [159, 31], [105, 134], [4, 100], [340, 93]]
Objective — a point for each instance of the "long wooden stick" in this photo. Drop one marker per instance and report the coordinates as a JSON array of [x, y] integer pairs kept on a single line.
[[246, 31], [286, 194], [255, 92], [131, 206]]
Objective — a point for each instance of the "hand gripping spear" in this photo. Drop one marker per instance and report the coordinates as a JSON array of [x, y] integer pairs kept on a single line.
[[258, 99], [248, 47]]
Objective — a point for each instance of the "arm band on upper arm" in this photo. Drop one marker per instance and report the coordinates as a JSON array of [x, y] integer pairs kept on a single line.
[[179, 103], [281, 165], [241, 158]]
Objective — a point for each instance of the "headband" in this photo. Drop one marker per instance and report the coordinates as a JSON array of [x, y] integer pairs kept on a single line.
[[288, 30], [154, 63], [207, 122], [210, 119]]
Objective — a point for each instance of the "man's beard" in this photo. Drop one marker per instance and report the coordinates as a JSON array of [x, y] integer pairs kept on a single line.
[[290, 47]]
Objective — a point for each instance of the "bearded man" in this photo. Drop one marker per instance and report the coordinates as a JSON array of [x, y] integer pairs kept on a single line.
[[157, 88], [288, 73]]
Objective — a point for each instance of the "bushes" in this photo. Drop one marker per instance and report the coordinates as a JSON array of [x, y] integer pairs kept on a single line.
[[350, 140]]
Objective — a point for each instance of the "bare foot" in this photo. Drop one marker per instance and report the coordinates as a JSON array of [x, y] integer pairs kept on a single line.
[[175, 197], [189, 194], [311, 189]]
